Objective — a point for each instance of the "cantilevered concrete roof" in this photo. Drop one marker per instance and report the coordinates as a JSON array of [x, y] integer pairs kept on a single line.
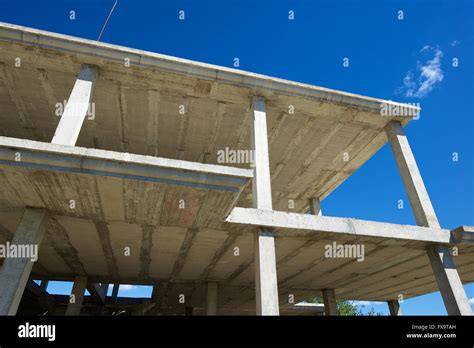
[[131, 168]]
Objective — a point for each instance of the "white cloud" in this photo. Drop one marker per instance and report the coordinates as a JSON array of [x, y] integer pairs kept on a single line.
[[367, 303], [454, 43], [430, 74], [425, 48], [127, 287], [471, 300]]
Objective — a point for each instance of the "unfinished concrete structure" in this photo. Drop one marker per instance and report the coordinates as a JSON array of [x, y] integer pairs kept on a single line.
[[134, 191]]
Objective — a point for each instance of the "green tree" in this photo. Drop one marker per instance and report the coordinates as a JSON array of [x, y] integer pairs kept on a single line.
[[346, 307]]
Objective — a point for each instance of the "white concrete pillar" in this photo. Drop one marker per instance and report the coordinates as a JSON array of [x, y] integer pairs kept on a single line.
[[394, 307], [76, 109], [330, 304], [418, 196], [211, 299], [77, 296], [261, 184], [447, 277], [450, 285], [15, 272], [266, 285]]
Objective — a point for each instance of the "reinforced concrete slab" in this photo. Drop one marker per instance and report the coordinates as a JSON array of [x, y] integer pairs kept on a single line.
[[137, 110]]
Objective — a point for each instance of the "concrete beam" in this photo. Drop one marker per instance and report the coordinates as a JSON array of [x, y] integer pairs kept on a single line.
[[394, 307], [447, 277], [15, 272], [77, 296], [311, 223], [463, 234], [330, 304], [76, 108], [211, 299], [266, 284], [35, 154], [315, 308], [308, 307]]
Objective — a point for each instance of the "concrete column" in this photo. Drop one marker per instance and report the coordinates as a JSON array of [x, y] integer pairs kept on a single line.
[[98, 292], [211, 299], [447, 277], [418, 196], [105, 289], [315, 206], [115, 291], [330, 305], [261, 184], [76, 109], [159, 297], [449, 283], [266, 285], [44, 284], [394, 307], [15, 272], [101, 306], [77, 296]]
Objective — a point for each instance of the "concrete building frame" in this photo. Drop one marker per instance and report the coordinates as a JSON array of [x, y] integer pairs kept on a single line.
[[266, 223]]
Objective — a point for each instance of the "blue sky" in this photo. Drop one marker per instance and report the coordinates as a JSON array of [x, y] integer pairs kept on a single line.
[[407, 60]]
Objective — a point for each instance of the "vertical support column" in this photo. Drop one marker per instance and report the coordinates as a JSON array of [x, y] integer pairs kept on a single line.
[[315, 206], [115, 291], [101, 306], [76, 109], [159, 297], [394, 307], [78, 290], [211, 299], [261, 184], [447, 277], [266, 285], [44, 285], [15, 272], [105, 289], [330, 305]]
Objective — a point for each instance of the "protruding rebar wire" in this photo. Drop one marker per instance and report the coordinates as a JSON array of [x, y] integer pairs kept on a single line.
[[107, 20]]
